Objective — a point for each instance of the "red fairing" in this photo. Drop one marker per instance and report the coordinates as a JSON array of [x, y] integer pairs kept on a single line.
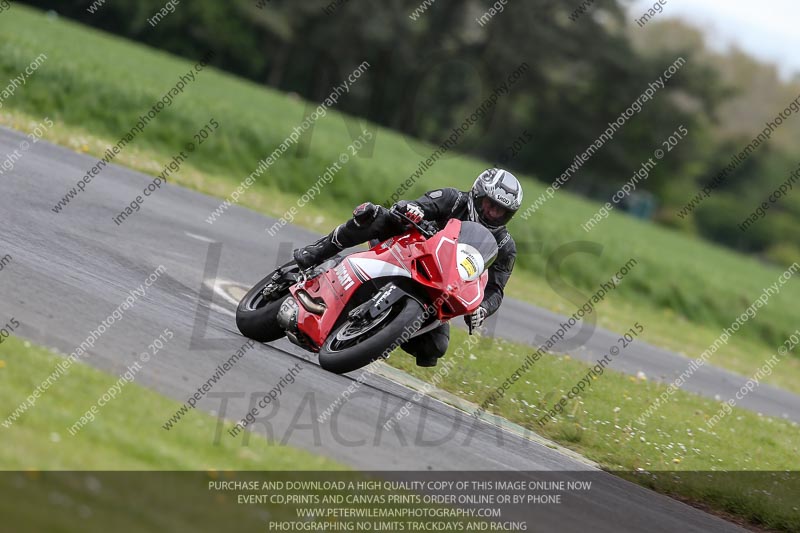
[[431, 263]]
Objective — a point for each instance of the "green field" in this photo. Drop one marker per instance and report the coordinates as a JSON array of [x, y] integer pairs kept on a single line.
[[125, 435]]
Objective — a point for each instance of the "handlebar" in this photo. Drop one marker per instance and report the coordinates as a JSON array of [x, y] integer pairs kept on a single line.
[[428, 231]]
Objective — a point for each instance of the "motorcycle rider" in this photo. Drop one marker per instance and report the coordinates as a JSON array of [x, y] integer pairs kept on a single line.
[[493, 200]]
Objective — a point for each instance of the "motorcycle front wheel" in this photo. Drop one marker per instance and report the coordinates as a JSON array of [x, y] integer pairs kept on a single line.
[[355, 344], [257, 315]]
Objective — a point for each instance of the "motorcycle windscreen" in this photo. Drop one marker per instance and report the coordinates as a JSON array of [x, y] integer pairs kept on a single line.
[[477, 250]]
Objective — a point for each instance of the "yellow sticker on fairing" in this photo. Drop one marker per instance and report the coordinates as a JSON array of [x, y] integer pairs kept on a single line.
[[469, 266]]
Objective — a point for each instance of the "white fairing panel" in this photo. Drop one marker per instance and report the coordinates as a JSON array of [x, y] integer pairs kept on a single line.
[[375, 268], [470, 262]]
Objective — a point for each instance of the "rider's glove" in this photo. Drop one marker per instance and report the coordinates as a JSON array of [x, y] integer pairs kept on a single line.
[[365, 214], [411, 210], [475, 320]]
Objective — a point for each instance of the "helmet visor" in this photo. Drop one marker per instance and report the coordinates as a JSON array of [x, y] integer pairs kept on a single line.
[[492, 213]]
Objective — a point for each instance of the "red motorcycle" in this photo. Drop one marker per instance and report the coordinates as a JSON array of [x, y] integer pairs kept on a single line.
[[354, 309]]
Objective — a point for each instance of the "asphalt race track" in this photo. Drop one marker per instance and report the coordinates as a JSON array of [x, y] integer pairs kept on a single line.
[[71, 270]]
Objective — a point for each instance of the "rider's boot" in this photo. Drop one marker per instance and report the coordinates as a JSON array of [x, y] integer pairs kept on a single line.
[[317, 252]]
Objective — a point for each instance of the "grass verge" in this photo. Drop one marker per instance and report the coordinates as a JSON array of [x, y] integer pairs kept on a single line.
[[734, 467], [126, 434]]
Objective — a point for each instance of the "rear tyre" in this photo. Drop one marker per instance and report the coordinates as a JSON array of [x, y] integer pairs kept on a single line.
[[257, 316], [352, 345]]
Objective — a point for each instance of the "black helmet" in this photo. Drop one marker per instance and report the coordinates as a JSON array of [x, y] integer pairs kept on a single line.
[[495, 197]]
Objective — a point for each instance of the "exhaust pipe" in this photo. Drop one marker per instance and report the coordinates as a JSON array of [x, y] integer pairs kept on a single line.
[[311, 305]]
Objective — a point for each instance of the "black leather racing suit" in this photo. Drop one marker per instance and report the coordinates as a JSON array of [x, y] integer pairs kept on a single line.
[[439, 206]]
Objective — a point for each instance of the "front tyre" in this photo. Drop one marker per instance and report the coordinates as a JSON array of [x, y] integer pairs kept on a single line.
[[354, 344], [257, 315]]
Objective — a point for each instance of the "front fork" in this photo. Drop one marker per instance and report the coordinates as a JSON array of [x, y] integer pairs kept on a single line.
[[284, 277], [386, 297]]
